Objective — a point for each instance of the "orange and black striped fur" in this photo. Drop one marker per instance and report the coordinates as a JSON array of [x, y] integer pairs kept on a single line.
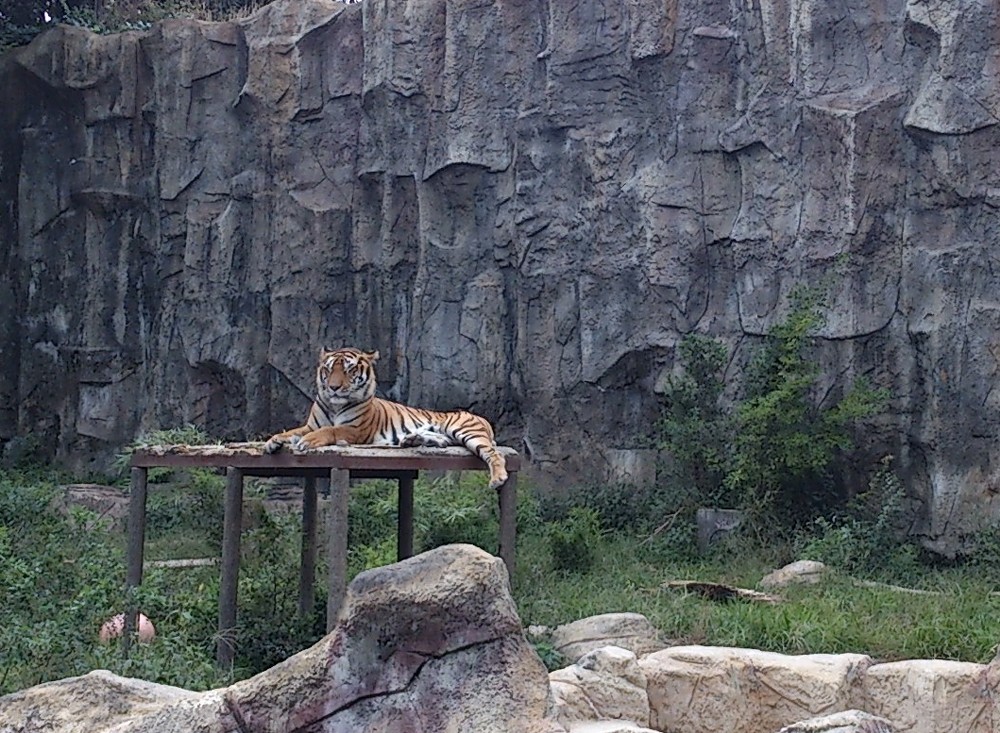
[[346, 411]]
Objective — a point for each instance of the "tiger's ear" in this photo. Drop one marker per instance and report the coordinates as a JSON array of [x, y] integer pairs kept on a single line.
[[372, 356], [324, 350]]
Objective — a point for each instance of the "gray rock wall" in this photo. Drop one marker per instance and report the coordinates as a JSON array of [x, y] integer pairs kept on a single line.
[[523, 205]]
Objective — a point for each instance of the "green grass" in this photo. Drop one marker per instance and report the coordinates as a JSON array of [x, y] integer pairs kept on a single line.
[[835, 616], [62, 580]]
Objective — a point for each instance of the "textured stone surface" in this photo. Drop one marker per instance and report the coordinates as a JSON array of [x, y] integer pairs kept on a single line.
[[631, 631], [432, 643], [800, 572], [523, 206], [849, 721], [715, 689], [605, 684], [933, 696]]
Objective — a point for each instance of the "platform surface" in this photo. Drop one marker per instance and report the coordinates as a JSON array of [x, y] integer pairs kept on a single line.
[[252, 456]]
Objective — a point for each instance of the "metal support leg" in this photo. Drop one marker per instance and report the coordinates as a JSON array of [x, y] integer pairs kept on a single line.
[[340, 486], [507, 495], [231, 527], [404, 532], [136, 548], [307, 571]]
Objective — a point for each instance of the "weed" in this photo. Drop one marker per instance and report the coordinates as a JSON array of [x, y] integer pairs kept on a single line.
[[575, 541]]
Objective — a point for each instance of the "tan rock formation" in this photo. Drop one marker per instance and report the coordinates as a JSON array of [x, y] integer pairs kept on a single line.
[[430, 644], [605, 684], [718, 689], [631, 631]]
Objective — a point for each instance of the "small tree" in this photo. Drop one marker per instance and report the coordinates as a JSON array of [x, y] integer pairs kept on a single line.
[[771, 454], [786, 442], [694, 429]]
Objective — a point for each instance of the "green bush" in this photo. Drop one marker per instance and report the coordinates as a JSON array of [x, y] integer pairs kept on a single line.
[[575, 541], [869, 535], [618, 507], [694, 429], [772, 455], [786, 441]]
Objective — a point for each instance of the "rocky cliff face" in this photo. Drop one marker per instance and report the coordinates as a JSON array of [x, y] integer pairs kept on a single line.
[[523, 205]]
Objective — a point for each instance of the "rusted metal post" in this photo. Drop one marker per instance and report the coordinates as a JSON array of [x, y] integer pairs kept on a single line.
[[404, 531], [232, 525], [135, 551], [507, 496], [340, 487], [307, 571]]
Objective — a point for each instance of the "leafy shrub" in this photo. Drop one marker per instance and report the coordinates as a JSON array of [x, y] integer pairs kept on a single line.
[[786, 442], [618, 507], [60, 581], [694, 429], [549, 655], [184, 435], [197, 506], [574, 541], [772, 455], [870, 534]]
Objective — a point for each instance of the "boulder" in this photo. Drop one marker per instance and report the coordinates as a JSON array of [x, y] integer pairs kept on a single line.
[[796, 573], [429, 644], [91, 702], [718, 689], [849, 721], [605, 684], [607, 726], [631, 631], [932, 696], [109, 503]]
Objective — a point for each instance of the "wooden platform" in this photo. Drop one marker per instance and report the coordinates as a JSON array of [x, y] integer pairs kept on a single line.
[[340, 465]]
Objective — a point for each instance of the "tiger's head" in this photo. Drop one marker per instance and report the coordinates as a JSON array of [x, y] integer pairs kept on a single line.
[[345, 376]]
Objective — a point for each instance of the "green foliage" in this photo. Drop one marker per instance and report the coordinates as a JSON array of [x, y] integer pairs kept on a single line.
[[575, 541], [184, 435], [984, 554], [59, 579], [870, 534], [62, 577], [772, 455], [550, 657], [198, 508], [786, 443], [24, 452], [618, 507], [694, 428]]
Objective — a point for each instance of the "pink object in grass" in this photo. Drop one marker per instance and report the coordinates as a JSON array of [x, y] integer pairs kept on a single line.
[[113, 628]]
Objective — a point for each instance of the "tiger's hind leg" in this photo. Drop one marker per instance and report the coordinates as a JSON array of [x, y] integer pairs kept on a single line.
[[426, 437], [497, 464]]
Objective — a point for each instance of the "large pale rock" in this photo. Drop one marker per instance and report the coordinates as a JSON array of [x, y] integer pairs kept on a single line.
[[607, 726], [605, 684], [523, 206], [631, 631], [430, 644], [719, 689], [933, 696], [796, 573], [848, 721], [93, 702]]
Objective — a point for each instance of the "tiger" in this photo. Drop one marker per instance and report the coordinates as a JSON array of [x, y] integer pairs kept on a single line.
[[347, 412]]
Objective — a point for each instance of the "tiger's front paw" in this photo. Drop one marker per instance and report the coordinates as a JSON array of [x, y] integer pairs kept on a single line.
[[300, 444], [274, 444]]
